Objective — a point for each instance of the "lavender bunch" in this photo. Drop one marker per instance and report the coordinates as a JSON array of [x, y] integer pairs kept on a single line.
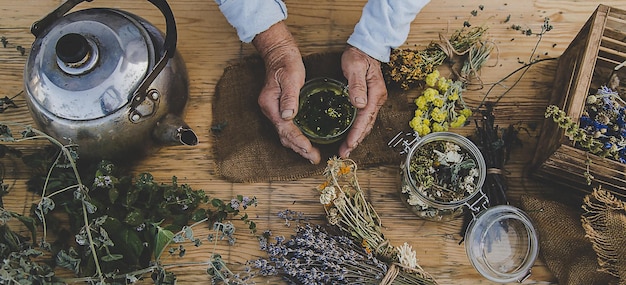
[[314, 256]]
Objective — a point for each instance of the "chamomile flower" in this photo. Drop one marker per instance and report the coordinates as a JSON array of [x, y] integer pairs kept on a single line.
[[328, 195]]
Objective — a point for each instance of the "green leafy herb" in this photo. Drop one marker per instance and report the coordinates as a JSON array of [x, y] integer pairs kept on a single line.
[[119, 225]]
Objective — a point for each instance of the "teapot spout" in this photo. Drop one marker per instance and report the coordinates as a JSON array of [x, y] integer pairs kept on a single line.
[[172, 130]]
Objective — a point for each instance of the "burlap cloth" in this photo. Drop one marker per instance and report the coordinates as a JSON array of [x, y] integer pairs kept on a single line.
[[563, 246], [604, 220], [247, 147]]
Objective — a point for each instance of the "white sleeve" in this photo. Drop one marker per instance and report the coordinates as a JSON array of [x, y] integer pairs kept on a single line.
[[251, 17], [384, 25]]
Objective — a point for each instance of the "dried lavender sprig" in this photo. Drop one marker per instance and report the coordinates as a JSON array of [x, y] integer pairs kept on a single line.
[[313, 256]]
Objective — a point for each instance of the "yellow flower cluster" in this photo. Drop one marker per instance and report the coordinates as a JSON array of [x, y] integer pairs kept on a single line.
[[407, 68], [440, 106]]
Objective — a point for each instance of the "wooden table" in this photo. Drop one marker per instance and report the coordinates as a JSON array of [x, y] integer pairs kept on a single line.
[[208, 44]]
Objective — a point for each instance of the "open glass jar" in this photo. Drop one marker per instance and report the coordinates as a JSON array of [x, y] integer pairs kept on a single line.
[[500, 240], [325, 113], [443, 171], [502, 244]]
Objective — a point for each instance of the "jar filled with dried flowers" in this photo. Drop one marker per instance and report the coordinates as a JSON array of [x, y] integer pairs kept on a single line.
[[443, 171], [325, 112]]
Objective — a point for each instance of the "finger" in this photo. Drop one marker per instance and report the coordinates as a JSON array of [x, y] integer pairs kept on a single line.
[[292, 137], [290, 83], [355, 70], [289, 134], [361, 127], [357, 89], [365, 119]]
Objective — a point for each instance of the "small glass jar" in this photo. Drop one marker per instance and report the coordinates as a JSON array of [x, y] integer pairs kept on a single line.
[[325, 113], [436, 202], [502, 244]]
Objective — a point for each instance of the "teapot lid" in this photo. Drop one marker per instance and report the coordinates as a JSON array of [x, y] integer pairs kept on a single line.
[[88, 63]]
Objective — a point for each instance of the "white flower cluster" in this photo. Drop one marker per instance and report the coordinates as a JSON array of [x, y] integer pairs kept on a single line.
[[333, 216], [328, 195], [103, 181], [451, 154], [468, 181], [414, 200], [407, 256]]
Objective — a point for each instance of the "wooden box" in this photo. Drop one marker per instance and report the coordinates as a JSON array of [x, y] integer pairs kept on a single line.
[[586, 65]]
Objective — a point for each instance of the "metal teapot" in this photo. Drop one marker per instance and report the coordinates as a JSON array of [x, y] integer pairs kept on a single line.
[[108, 81]]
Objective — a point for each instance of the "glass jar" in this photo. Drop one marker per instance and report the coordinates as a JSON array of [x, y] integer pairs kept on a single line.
[[429, 188], [325, 113], [502, 244]]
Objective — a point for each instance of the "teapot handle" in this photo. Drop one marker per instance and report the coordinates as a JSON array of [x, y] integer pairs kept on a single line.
[[169, 44], [170, 24]]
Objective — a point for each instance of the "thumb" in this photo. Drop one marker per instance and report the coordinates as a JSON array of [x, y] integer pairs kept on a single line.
[[290, 88]]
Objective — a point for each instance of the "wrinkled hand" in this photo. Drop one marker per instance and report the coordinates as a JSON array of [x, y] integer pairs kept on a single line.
[[284, 77], [368, 93]]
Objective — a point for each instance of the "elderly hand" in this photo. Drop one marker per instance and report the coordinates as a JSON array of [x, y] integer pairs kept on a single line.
[[368, 93], [284, 77]]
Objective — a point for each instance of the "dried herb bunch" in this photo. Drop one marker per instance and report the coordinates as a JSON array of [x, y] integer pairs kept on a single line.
[[315, 256], [407, 68], [496, 145], [347, 208], [601, 129]]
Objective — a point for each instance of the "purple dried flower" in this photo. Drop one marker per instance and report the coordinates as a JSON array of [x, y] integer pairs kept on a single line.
[[313, 256], [234, 203]]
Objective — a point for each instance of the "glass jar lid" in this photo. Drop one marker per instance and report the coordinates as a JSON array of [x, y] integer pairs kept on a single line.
[[502, 244]]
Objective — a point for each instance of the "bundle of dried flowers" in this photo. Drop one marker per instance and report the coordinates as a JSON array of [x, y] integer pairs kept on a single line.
[[440, 107], [604, 117], [315, 256], [347, 208], [408, 67], [602, 126], [496, 145], [601, 129]]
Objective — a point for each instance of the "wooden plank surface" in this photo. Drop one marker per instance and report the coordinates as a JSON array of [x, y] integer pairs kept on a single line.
[[208, 44]]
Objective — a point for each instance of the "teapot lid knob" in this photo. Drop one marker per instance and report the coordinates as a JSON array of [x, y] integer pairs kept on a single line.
[[72, 48]]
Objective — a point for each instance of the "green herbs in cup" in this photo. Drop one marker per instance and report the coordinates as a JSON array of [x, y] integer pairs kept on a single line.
[[325, 113]]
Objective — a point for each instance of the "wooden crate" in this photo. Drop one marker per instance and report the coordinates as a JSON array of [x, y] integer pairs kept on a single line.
[[586, 65]]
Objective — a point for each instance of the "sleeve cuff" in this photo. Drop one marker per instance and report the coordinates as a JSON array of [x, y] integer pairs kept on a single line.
[[370, 47], [384, 25], [252, 17]]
